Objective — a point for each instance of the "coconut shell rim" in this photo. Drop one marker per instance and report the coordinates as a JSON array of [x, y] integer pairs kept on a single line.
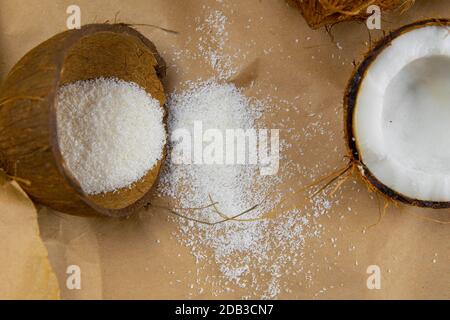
[[350, 100], [62, 167]]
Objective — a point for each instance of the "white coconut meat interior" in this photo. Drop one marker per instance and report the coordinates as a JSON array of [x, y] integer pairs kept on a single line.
[[402, 115]]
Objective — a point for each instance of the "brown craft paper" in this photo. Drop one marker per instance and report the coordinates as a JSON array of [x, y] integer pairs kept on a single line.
[[141, 258]]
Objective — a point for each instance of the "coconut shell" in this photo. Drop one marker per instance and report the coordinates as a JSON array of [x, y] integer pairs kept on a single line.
[[29, 147], [318, 13], [349, 109]]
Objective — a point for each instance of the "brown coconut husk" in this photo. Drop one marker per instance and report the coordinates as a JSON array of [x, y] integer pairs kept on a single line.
[[29, 148], [318, 13]]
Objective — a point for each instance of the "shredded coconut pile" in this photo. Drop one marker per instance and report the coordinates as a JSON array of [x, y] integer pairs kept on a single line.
[[217, 106], [110, 132], [245, 251]]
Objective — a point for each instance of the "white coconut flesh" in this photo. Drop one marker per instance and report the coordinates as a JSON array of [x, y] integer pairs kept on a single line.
[[402, 115]]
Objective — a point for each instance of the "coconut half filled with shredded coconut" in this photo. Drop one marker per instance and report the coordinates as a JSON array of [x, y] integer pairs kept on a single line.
[[110, 133], [398, 114]]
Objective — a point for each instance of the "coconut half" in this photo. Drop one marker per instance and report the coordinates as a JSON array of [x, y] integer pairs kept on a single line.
[[398, 114]]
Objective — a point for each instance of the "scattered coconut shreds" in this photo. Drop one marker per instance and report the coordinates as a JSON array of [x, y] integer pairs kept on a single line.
[[110, 132], [252, 257], [212, 48], [211, 37], [236, 246]]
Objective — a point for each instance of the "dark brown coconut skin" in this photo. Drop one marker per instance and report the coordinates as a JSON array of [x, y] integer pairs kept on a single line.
[[28, 132], [350, 104]]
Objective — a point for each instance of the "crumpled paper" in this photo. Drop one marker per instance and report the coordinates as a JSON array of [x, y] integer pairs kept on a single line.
[[25, 271]]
